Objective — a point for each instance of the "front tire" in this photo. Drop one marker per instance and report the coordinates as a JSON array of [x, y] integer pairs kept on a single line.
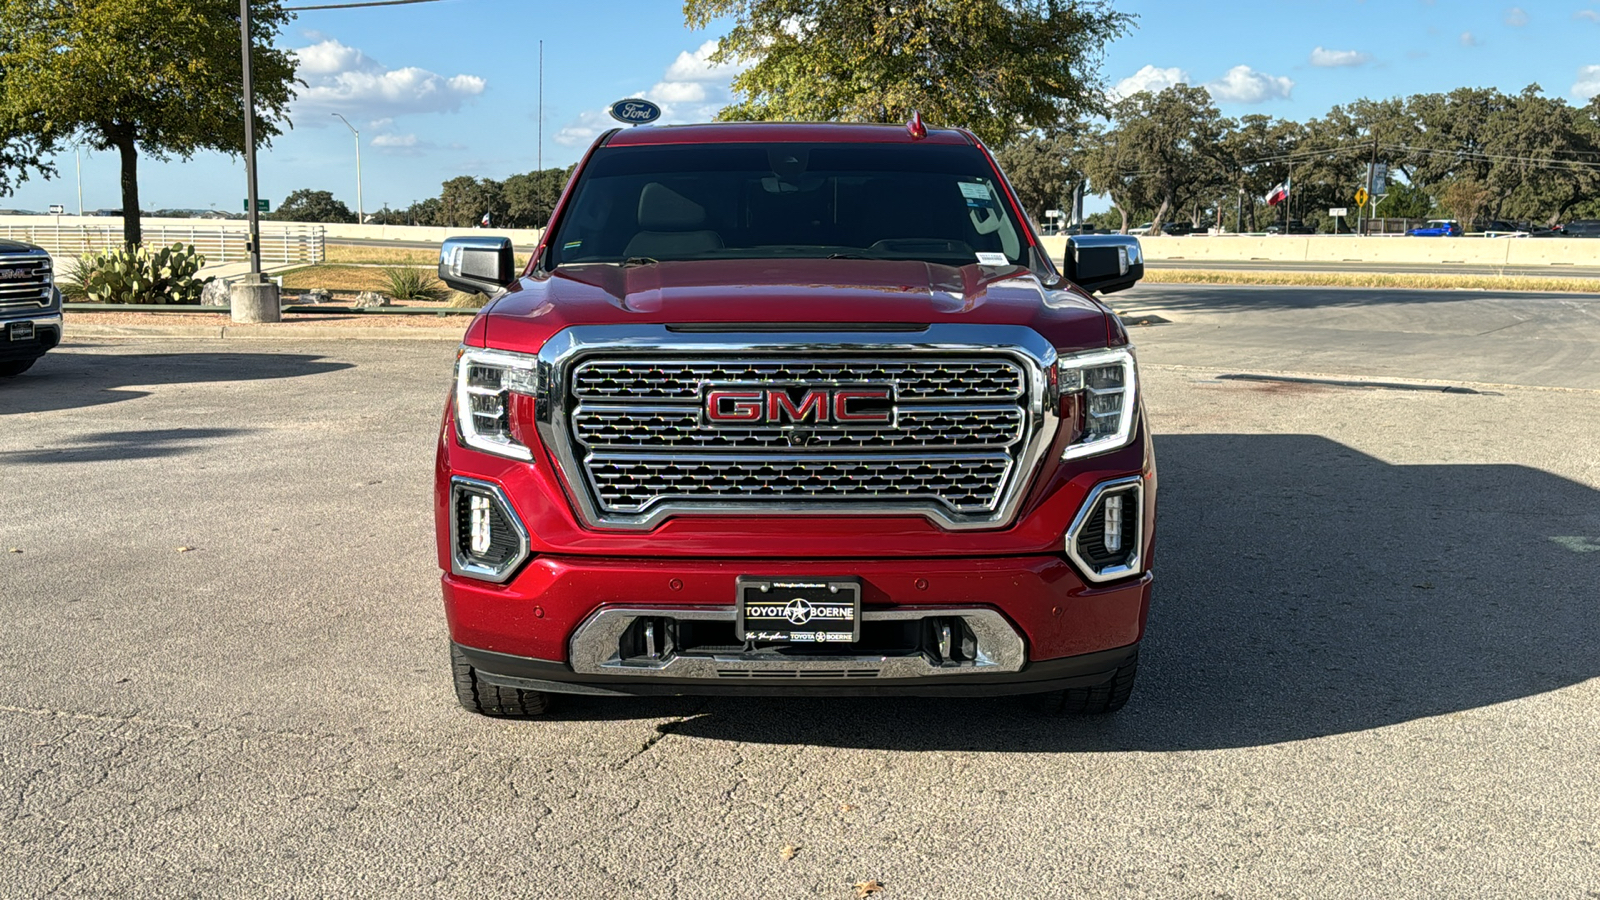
[[13, 369], [488, 699]]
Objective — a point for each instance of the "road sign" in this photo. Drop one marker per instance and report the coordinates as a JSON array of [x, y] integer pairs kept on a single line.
[[1052, 214], [262, 205], [1338, 211], [57, 209], [1361, 196]]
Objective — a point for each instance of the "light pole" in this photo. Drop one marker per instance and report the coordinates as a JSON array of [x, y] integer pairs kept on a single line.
[[361, 215]]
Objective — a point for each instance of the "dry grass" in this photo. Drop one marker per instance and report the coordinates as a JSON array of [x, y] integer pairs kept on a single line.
[[1374, 280], [391, 256], [343, 279]]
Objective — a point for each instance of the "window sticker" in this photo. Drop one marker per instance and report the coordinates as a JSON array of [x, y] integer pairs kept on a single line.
[[973, 191], [572, 245], [993, 259]]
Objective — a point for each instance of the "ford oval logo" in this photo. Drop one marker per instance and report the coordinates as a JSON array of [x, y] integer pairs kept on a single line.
[[635, 111]]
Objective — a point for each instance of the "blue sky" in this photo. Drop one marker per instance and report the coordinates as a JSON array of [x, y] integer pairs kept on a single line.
[[448, 88]]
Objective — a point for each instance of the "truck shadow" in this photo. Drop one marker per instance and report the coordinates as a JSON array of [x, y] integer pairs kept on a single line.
[[1303, 589], [64, 379]]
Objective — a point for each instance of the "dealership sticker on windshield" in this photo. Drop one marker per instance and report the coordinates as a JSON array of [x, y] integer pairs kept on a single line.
[[993, 259]]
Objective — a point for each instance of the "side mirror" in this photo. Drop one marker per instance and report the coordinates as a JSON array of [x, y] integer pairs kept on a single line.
[[1104, 262], [481, 265]]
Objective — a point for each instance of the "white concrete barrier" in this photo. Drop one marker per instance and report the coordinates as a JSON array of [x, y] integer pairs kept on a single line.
[[521, 237], [1354, 250]]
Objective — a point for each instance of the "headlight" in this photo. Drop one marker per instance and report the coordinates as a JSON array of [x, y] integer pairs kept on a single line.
[[1106, 384], [485, 381]]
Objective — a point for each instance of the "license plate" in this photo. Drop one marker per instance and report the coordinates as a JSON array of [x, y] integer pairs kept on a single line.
[[799, 610], [21, 331]]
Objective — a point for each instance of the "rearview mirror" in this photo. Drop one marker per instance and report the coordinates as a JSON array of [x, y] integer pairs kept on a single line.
[[1104, 262], [480, 265]]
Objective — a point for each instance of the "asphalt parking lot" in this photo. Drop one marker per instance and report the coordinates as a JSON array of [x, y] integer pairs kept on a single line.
[[1372, 667]]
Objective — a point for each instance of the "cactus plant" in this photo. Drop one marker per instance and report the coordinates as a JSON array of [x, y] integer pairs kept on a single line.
[[141, 276]]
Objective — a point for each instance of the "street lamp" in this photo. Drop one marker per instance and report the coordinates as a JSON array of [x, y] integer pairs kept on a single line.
[[361, 215]]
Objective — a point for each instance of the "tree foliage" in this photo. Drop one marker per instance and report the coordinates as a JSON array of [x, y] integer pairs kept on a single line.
[[1042, 170], [306, 205], [998, 67], [1474, 152], [162, 77]]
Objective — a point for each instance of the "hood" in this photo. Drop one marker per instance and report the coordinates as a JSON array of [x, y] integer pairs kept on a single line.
[[845, 291], [17, 247]]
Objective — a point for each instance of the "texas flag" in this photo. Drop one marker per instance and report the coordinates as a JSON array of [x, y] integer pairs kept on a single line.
[[485, 221], [1280, 193]]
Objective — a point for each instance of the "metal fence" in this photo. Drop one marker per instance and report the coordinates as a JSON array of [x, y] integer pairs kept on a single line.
[[286, 244]]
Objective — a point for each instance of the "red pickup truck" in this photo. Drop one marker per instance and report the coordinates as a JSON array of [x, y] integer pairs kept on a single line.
[[781, 409]]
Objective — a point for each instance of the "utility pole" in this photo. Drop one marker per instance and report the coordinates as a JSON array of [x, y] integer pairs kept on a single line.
[[539, 154], [255, 299], [361, 213], [1238, 214], [78, 155]]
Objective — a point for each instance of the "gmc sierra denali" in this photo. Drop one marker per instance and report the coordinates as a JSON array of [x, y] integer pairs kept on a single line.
[[30, 307], [793, 409]]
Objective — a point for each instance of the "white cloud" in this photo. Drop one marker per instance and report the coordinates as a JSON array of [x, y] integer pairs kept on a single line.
[[1515, 17], [690, 90], [1587, 15], [1588, 84], [1149, 78], [1468, 39], [340, 78], [1243, 84], [1328, 59], [400, 144], [696, 66]]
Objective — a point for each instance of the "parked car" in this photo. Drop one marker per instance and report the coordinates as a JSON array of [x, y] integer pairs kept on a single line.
[[1176, 229], [30, 307], [1142, 229], [1586, 228], [684, 454], [1499, 226], [1437, 228], [1294, 226]]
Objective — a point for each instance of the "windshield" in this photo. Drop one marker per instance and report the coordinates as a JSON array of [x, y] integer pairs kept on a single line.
[[788, 200]]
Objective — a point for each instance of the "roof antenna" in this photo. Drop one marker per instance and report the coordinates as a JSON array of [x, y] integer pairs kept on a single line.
[[915, 128]]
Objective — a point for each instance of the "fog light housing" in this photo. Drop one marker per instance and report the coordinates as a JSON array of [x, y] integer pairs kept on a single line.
[[1106, 536], [487, 539]]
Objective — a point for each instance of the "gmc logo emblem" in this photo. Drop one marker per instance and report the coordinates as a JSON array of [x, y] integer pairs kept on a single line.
[[737, 405]]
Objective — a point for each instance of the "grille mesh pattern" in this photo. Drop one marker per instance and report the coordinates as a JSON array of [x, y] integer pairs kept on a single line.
[[965, 483], [931, 379], [638, 431], [681, 428]]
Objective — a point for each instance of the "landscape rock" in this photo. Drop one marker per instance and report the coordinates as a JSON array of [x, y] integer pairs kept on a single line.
[[371, 300], [315, 297], [215, 293]]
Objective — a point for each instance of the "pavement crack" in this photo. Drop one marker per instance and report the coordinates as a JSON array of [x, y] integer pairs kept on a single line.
[[662, 730]]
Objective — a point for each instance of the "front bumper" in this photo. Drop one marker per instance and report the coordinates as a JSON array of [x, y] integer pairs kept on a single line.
[[46, 335], [527, 674], [1032, 624]]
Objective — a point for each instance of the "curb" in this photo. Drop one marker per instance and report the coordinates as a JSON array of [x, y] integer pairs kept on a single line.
[[265, 332]]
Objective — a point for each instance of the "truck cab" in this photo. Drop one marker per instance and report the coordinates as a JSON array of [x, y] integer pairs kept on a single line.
[[782, 409]]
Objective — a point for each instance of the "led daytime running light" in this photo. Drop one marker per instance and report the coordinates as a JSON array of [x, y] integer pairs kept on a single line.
[[485, 381], [1107, 381]]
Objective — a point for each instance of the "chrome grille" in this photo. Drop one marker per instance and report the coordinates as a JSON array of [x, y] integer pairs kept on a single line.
[[24, 280], [931, 378], [955, 443]]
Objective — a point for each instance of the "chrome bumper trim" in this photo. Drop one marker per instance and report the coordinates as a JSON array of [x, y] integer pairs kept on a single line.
[[594, 648], [54, 319]]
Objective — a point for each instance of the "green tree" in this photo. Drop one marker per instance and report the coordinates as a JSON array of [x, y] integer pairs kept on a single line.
[[464, 200], [998, 67], [306, 205], [531, 198], [158, 76], [1042, 170], [1404, 201], [1164, 152]]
